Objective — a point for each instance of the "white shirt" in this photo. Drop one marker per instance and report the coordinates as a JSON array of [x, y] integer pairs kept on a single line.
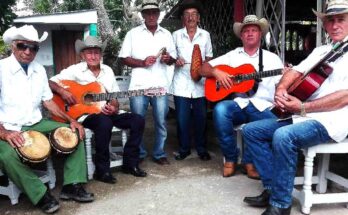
[[182, 84], [82, 75], [335, 122], [20, 94], [264, 96], [140, 43]]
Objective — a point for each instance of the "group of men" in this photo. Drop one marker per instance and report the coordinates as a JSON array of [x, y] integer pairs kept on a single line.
[[271, 145]]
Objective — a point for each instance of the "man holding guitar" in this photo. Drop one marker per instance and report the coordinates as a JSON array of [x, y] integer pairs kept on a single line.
[[23, 88], [274, 144], [242, 108], [101, 122]]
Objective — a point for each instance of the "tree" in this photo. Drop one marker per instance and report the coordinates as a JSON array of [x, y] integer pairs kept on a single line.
[[6, 14]]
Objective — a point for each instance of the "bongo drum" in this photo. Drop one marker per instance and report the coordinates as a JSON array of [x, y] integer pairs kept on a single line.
[[36, 147], [63, 140]]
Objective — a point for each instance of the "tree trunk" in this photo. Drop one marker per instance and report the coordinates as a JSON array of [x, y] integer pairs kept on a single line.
[[105, 28]]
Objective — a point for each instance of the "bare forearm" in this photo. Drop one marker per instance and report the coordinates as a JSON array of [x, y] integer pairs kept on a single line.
[[331, 102], [55, 110], [288, 78], [132, 62], [206, 70], [2, 132], [55, 87]]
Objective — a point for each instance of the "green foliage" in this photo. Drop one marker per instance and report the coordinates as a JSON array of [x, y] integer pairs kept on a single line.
[[6, 14], [71, 5], [43, 6]]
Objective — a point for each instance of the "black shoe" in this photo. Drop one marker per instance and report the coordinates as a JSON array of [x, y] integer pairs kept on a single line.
[[204, 156], [136, 171], [76, 192], [271, 210], [181, 156], [106, 178], [161, 161], [259, 201], [48, 204]]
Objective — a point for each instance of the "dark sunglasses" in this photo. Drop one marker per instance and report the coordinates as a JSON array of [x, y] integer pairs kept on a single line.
[[24, 46]]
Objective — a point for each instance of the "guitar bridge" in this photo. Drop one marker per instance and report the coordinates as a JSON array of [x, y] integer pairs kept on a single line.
[[217, 86]]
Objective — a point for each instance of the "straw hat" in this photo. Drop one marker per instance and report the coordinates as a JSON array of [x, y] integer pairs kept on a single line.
[[26, 32], [333, 7], [149, 4], [191, 4], [251, 20], [89, 42]]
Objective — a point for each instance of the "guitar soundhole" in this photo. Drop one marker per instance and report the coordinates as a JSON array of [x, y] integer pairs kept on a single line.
[[88, 98]]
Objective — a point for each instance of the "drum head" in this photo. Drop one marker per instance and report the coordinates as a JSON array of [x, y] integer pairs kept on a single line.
[[64, 140], [36, 147]]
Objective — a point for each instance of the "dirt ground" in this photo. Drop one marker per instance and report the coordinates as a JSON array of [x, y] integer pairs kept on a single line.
[[185, 187]]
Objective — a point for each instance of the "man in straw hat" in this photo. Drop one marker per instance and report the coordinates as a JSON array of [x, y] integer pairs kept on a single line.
[[188, 92], [149, 49], [275, 144], [92, 70], [243, 108], [23, 87]]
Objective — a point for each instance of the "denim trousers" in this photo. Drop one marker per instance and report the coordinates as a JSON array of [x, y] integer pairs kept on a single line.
[[139, 105], [274, 146], [228, 114], [102, 125], [184, 109]]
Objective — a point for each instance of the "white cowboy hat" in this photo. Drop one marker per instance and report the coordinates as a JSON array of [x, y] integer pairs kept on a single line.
[[26, 32], [251, 20], [149, 4], [333, 7], [89, 42]]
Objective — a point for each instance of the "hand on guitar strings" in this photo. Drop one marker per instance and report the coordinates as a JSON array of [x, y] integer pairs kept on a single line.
[[223, 78], [110, 108], [287, 102], [68, 97]]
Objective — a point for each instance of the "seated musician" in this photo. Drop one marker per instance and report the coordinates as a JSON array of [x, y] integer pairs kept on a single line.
[[274, 144], [242, 108], [23, 87], [92, 70]]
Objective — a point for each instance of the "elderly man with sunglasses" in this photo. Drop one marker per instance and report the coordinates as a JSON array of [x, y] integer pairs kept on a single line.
[[23, 88]]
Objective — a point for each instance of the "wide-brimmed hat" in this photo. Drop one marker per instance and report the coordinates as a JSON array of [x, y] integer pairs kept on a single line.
[[251, 20], [89, 42], [149, 4], [26, 32], [333, 7], [190, 4]]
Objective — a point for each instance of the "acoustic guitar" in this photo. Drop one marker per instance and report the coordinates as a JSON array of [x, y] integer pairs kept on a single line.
[[93, 96], [243, 78]]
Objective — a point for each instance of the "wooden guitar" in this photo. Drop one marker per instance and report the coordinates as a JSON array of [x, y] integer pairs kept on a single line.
[[93, 96], [243, 81]]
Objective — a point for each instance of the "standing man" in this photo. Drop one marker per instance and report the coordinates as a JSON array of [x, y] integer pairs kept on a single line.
[[187, 92], [23, 87], [149, 49], [86, 72], [230, 113], [275, 144]]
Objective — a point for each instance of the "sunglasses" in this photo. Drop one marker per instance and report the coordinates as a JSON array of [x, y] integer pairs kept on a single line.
[[24, 46]]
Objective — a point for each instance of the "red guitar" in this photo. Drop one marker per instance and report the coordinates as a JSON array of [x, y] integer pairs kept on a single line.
[[243, 80], [92, 97]]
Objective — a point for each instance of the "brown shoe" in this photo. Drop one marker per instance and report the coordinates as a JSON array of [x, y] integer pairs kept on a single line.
[[161, 161], [251, 171], [229, 169]]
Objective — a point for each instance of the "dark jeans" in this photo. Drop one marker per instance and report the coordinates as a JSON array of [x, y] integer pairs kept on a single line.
[[102, 126], [183, 117]]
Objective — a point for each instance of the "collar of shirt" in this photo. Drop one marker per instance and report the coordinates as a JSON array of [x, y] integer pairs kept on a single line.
[[242, 51], [159, 28], [197, 34], [86, 69], [16, 66]]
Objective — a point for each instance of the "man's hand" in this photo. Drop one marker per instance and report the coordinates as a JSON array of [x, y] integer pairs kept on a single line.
[[149, 61], [111, 107], [180, 62], [68, 97], [223, 78], [287, 102], [166, 58], [75, 125], [14, 138]]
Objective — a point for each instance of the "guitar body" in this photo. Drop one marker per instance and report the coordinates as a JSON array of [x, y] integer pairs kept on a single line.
[[215, 92], [81, 107]]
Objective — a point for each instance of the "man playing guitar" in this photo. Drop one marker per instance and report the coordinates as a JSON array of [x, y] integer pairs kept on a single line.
[[86, 72]]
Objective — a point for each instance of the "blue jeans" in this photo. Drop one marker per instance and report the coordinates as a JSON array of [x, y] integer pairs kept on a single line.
[[274, 148], [184, 125], [228, 114], [139, 105]]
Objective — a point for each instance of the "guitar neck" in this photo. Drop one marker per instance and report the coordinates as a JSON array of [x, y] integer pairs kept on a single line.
[[258, 75], [123, 94]]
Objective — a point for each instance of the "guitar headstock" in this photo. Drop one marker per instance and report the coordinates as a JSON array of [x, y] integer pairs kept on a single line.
[[155, 91]]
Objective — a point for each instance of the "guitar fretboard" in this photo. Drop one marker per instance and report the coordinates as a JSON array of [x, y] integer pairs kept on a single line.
[[258, 75], [108, 96]]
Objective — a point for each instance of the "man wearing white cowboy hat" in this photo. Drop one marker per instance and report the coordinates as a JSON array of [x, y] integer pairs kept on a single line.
[[323, 117], [23, 87], [149, 49], [243, 109], [92, 70]]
